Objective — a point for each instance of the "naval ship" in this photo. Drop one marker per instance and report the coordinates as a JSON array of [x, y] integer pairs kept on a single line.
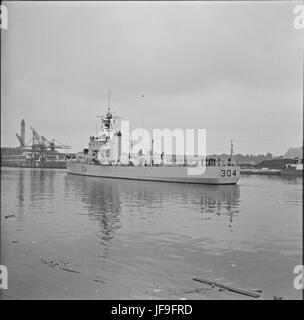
[[104, 158], [293, 169]]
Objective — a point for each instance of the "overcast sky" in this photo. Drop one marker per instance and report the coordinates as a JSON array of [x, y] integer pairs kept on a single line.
[[233, 68]]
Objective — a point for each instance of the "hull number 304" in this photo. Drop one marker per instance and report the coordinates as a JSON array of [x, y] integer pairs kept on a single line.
[[228, 173]]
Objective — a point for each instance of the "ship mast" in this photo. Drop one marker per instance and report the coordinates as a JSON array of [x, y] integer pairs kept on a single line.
[[109, 101], [108, 118], [231, 149]]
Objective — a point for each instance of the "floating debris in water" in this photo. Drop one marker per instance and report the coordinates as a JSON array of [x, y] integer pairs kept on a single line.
[[70, 270], [49, 262], [62, 265], [9, 216], [256, 290], [229, 288], [99, 279]]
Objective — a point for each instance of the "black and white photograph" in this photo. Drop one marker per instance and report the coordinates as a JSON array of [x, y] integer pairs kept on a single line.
[[152, 150]]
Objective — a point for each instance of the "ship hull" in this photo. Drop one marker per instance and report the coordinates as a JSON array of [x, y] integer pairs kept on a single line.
[[291, 172], [212, 175]]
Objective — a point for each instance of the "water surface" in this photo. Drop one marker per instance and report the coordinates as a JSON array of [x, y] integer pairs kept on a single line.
[[84, 237]]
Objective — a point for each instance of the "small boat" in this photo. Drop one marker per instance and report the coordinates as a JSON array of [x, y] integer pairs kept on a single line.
[[293, 169]]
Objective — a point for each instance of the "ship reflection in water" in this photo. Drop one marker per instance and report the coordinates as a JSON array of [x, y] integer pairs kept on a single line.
[[134, 239], [107, 199]]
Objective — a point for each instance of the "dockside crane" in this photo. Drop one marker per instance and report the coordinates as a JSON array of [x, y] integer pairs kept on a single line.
[[40, 144]]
